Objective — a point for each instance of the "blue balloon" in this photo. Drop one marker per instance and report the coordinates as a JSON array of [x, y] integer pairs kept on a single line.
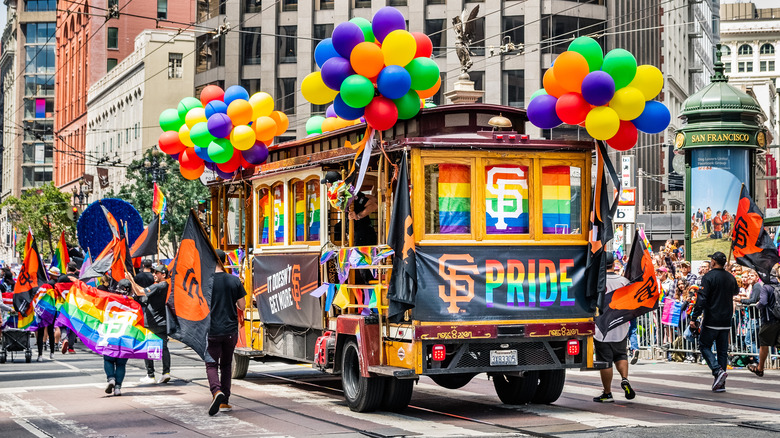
[[345, 111], [324, 51], [654, 119], [214, 107], [203, 153], [598, 87], [235, 92], [541, 112], [335, 70], [394, 82]]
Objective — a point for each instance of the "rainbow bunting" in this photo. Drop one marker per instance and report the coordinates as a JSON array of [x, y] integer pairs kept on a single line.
[[109, 324], [556, 200], [60, 258], [332, 289], [265, 211], [300, 212], [313, 189], [343, 264], [381, 252], [341, 299], [159, 203], [360, 256], [454, 198], [326, 255], [278, 214], [45, 303], [506, 199]]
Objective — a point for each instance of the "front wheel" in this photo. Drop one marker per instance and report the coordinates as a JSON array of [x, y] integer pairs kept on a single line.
[[240, 366], [514, 390], [550, 386], [363, 394]]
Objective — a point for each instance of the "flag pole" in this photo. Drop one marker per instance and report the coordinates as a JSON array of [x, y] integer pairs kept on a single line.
[[159, 224], [731, 246], [202, 230]]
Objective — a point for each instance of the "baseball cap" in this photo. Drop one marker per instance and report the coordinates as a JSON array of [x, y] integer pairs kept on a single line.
[[123, 286], [718, 257], [330, 177], [159, 267], [55, 271]]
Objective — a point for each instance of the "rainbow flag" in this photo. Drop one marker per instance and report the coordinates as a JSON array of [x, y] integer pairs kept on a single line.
[[27, 322], [45, 303], [60, 258], [360, 256], [646, 242], [236, 257], [265, 212], [506, 199], [313, 190], [159, 203], [278, 214], [454, 198], [343, 264], [556, 200], [300, 212], [109, 324], [381, 252]]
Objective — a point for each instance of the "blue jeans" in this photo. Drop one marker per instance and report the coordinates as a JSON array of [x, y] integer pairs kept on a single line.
[[709, 336], [115, 369], [632, 337]]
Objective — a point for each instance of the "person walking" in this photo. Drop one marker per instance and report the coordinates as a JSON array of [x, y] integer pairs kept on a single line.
[[714, 302], [611, 347], [227, 299], [769, 333], [153, 299], [115, 367]]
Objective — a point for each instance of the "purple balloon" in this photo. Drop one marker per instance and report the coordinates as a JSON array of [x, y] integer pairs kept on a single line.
[[335, 70], [176, 156], [541, 112], [257, 154], [214, 107], [598, 87], [345, 37], [362, 120], [224, 175], [345, 111], [387, 20], [324, 51], [331, 112], [220, 125], [211, 166]]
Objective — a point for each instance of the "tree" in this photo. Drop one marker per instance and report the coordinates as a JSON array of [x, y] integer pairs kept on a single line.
[[181, 194], [47, 212]]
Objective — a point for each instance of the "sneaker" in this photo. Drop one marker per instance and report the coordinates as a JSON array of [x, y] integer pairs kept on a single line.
[[165, 378], [630, 394], [117, 391], [604, 398], [71, 351], [634, 357], [148, 380], [224, 407], [40, 358], [64, 348], [719, 385], [51, 356], [110, 386], [218, 400]]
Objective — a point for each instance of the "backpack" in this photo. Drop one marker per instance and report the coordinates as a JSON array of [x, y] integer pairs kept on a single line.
[[773, 306]]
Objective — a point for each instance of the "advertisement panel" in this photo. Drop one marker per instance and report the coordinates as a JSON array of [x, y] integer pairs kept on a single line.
[[717, 175], [282, 286], [478, 283]]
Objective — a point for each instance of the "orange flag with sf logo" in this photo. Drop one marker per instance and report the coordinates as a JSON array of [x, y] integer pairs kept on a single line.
[[31, 277], [192, 279], [750, 243]]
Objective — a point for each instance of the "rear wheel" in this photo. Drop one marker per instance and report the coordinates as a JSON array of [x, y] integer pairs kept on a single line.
[[452, 381], [550, 386], [363, 394], [398, 392], [3, 357], [514, 390], [240, 366]]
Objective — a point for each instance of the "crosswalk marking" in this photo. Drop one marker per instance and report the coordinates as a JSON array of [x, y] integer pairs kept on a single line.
[[27, 412]]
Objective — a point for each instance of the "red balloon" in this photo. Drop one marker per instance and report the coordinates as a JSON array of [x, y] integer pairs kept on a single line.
[[170, 144], [424, 45], [381, 113], [188, 159], [211, 92], [625, 138], [192, 174], [232, 164], [572, 108]]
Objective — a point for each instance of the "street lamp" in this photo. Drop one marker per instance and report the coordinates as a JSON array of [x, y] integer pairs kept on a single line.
[[155, 166]]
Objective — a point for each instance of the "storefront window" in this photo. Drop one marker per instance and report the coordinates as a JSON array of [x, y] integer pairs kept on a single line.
[[448, 198], [506, 199], [561, 199]]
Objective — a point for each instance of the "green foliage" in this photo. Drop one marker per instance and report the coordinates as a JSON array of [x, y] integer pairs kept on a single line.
[[182, 195], [47, 212]]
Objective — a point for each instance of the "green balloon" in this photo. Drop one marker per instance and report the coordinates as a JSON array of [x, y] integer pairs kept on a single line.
[[424, 73], [590, 49], [314, 125], [621, 65], [365, 26], [220, 150], [170, 121], [408, 105], [536, 93], [430, 105], [357, 91], [200, 135], [187, 104]]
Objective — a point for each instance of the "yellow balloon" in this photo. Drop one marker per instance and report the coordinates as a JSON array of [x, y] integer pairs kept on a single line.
[[184, 136], [262, 104], [602, 123], [399, 47], [649, 80], [242, 137], [628, 103], [315, 91], [195, 115]]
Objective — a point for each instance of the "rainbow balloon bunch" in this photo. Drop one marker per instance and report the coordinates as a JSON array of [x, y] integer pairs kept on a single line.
[[609, 95], [225, 131], [319, 125], [375, 70]]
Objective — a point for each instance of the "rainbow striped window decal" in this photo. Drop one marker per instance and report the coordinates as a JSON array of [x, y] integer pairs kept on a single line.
[[506, 199], [561, 199], [313, 208], [264, 213], [299, 195], [448, 198], [278, 209]]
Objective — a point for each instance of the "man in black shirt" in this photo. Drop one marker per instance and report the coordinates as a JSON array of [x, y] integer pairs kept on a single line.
[[714, 300], [145, 277], [227, 299], [153, 299]]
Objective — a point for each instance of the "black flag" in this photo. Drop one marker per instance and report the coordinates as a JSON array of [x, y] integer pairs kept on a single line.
[[146, 243], [751, 244], [31, 277], [403, 281], [192, 279]]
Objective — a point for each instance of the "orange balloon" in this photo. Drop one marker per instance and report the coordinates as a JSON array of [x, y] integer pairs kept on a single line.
[[424, 94], [570, 69], [551, 85], [282, 122], [240, 112], [265, 128], [330, 124], [192, 174], [367, 59]]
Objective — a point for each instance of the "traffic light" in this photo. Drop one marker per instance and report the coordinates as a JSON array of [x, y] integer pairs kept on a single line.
[[75, 211]]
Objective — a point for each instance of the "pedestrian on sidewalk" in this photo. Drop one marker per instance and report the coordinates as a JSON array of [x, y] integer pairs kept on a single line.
[[227, 299], [153, 299], [115, 367], [769, 333], [611, 348], [715, 302]]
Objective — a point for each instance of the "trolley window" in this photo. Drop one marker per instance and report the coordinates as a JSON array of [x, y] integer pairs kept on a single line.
[[448, 198], [561, 199], [506, 198], [298, 189], [277, 196], [264, 214], [313, 208]]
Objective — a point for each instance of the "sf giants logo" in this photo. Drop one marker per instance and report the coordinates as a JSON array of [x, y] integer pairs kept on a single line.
[[741, 233], [648, 290], [296, 285], [461, 284], [509, 202]]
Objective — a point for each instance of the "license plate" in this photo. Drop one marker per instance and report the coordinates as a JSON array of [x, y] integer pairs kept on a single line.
[[503, 357]]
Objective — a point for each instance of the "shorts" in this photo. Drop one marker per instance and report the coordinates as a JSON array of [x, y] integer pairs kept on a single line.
[[769, 334], [611, 351]]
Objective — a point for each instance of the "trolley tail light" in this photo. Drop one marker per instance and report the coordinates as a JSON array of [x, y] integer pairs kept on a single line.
[[439, 352], [573, 347]]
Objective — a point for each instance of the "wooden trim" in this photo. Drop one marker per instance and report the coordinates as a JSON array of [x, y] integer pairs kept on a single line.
[[497, 243], [584, 211], [418, 195], [503, 322], [448, 155], [532, 192]]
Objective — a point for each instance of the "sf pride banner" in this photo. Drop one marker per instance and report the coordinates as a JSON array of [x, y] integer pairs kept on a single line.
[[472, 283], [282, 286]]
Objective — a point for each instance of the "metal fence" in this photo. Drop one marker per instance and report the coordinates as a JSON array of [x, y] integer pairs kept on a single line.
[[663, 341]]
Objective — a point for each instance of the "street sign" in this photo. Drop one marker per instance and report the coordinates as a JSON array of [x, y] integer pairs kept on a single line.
[[626, 214], [627, 196], [627, 171]]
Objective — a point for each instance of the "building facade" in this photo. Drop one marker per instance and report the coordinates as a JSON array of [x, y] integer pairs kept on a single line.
[[131, 97]]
